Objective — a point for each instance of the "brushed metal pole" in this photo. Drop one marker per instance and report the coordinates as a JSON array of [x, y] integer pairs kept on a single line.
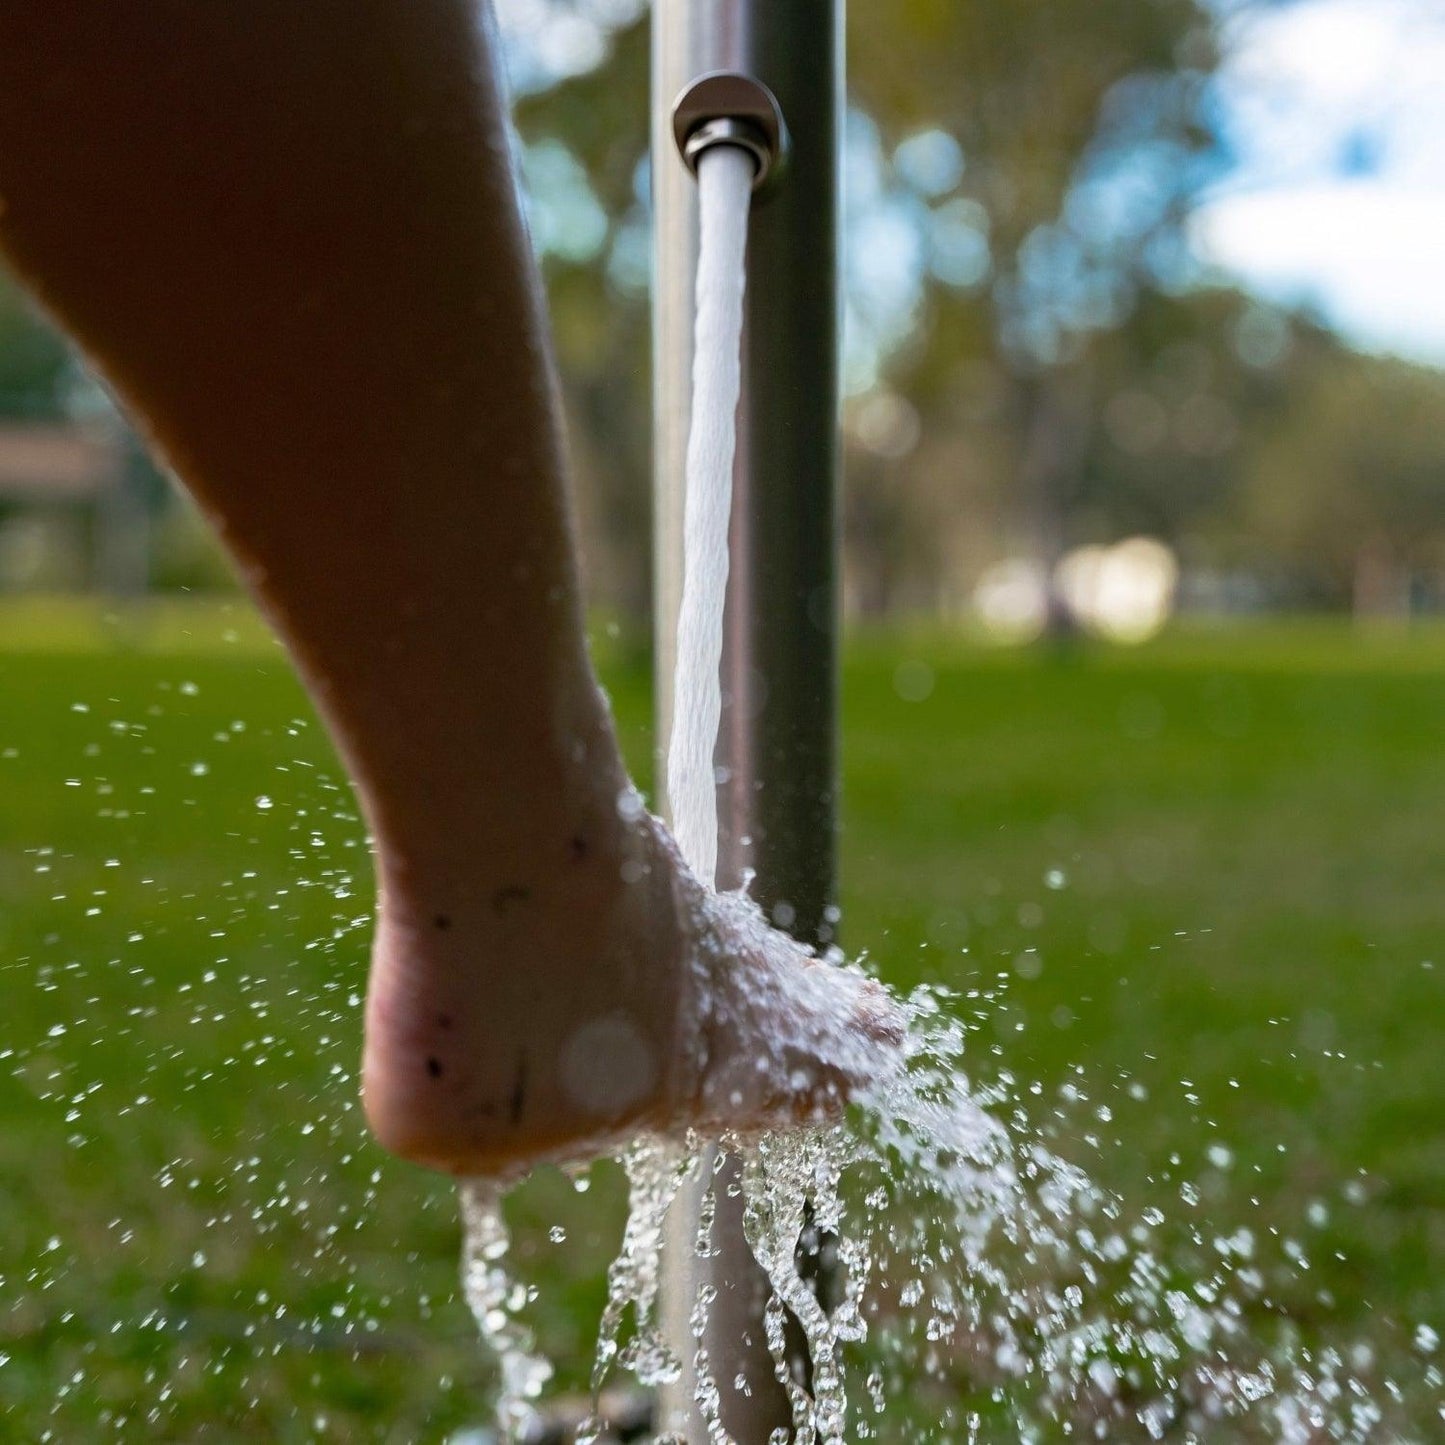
[[778, 744]]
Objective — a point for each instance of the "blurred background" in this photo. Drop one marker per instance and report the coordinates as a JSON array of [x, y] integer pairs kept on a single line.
[[1160, 269], [1143, 727]]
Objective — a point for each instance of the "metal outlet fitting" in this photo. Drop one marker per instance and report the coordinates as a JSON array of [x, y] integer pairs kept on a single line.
[[726, 108]]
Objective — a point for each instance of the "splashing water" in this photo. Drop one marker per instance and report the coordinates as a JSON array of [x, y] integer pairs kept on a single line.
[[495, 1300], [656, 1169], [989, 1288]]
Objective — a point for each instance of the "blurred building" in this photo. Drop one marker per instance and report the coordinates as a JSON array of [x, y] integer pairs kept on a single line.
[[75, 509]]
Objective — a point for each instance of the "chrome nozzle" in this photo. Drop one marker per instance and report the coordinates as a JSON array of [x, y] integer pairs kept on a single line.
[[725, 108]]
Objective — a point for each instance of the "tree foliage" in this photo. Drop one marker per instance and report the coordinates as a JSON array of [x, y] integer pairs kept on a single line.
[[1347, 483], [1075, 132]]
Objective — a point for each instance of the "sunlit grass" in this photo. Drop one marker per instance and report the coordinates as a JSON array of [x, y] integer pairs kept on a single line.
[[1225, 849]]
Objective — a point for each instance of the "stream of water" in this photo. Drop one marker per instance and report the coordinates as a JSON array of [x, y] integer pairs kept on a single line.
[[725, 179]]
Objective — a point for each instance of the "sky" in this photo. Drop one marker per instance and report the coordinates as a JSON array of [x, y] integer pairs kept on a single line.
[[1335, 112]]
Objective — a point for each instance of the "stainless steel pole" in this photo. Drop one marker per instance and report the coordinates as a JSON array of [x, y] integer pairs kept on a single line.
[[777, 805]]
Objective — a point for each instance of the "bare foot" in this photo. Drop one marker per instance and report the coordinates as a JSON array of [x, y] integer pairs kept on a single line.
[[548, 1018]]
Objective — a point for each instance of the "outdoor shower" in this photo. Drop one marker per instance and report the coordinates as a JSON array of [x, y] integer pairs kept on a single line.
[[766, 77]]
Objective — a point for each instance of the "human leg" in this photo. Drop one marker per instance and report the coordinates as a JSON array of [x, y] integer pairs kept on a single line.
[[289, 236]]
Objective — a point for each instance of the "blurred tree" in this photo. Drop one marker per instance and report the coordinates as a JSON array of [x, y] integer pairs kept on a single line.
[[1033, 359], [1016, 179], [1347, 483], [1176, 396], [1081, 140]]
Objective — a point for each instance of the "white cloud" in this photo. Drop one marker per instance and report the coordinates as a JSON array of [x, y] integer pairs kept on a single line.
[[1369, 256], [1336, 114]]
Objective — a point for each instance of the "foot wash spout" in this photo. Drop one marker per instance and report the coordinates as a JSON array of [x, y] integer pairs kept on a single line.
[[724, 108]]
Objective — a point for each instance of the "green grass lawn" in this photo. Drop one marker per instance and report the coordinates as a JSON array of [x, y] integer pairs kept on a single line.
[[1209, 870]]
